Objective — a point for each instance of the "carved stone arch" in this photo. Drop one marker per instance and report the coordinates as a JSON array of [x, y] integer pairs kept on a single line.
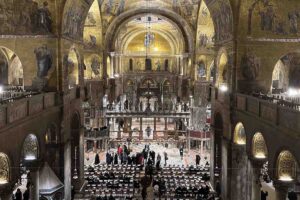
[[11, 68], [259, 148], [239, 135], [222, 16], [4, 169], [166, 36], [286, 166], [171, 15], [73, 66], [72, 7], [221, 69], [30, 148], [52, 134]]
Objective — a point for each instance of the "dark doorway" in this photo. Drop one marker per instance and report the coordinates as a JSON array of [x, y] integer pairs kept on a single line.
[[148, 63], [130, 64], [166, 65]]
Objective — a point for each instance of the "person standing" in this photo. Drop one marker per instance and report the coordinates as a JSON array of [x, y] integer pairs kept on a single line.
[[144, 193], [18, 194], [292, 195], [97, 159], [181, 152], [263, 195], [218, 188], [116, 159], [120, 150], [198, 158], [107, 158], [26, 195], [158, 159], [166, 157]]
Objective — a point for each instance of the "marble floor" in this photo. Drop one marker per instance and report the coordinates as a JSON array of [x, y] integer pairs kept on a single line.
[[189, 157]]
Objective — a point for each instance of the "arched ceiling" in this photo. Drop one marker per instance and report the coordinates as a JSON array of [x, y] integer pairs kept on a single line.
[[188, 9], [185, 13], [160, 44], [167, 35]]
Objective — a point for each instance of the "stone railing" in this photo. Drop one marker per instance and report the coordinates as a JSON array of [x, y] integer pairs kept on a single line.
[[21, 108], [270, 111], [96, 134]]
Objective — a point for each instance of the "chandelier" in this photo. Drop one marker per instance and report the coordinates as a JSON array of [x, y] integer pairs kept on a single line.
[[149, 36]]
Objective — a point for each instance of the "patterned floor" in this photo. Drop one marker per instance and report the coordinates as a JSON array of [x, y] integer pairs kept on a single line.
[[189, 157]]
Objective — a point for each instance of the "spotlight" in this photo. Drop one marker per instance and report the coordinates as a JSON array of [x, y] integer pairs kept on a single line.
[[30, 157], [286, 178], [3, 181], [292, 92], [223, 88]]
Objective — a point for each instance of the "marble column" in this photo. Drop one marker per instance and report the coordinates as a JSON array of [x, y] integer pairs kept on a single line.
[[67, 170], [95, 145], [166, 124], [141, 128], [81, 155], [154, 131], [34, 190], [212, 159], [281, 190], [119, 132], [112, 62], [181, 65]]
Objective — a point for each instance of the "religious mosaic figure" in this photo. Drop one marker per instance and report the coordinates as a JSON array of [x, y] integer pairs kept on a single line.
[[91, 19], [293, 20], [203, 40], [73, 23], [27, 18], [267, 18], [44, 18], [201, 69], [92, 44], [223, 21], [95, 66], [3, 69], [158, 65], [44, 60], [121, 7], [250, 66]]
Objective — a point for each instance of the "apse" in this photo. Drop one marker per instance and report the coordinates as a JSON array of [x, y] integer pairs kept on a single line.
[[148, 41], [30, 149], [11, 69], [4, 169]]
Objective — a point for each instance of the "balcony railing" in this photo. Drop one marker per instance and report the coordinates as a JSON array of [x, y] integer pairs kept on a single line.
[[279, 112], [96, 133], [17, 109]]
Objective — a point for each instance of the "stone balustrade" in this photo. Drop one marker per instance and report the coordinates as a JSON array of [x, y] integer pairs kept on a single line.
[[269, 111], [96, 133], [21, 108]]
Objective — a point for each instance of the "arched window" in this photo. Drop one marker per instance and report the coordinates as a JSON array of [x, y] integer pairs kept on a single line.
[[166, 65], [239, 134], [259, 147], [51, 136], [222, 71], [130, 64], [4, 169], [11, 69], [30, 148], [73, 68], [286, 166]]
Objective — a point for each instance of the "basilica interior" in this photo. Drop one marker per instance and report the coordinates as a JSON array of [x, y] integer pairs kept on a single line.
[[149, 99]]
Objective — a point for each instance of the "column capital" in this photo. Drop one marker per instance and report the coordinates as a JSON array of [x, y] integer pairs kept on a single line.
[[282, 186]]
